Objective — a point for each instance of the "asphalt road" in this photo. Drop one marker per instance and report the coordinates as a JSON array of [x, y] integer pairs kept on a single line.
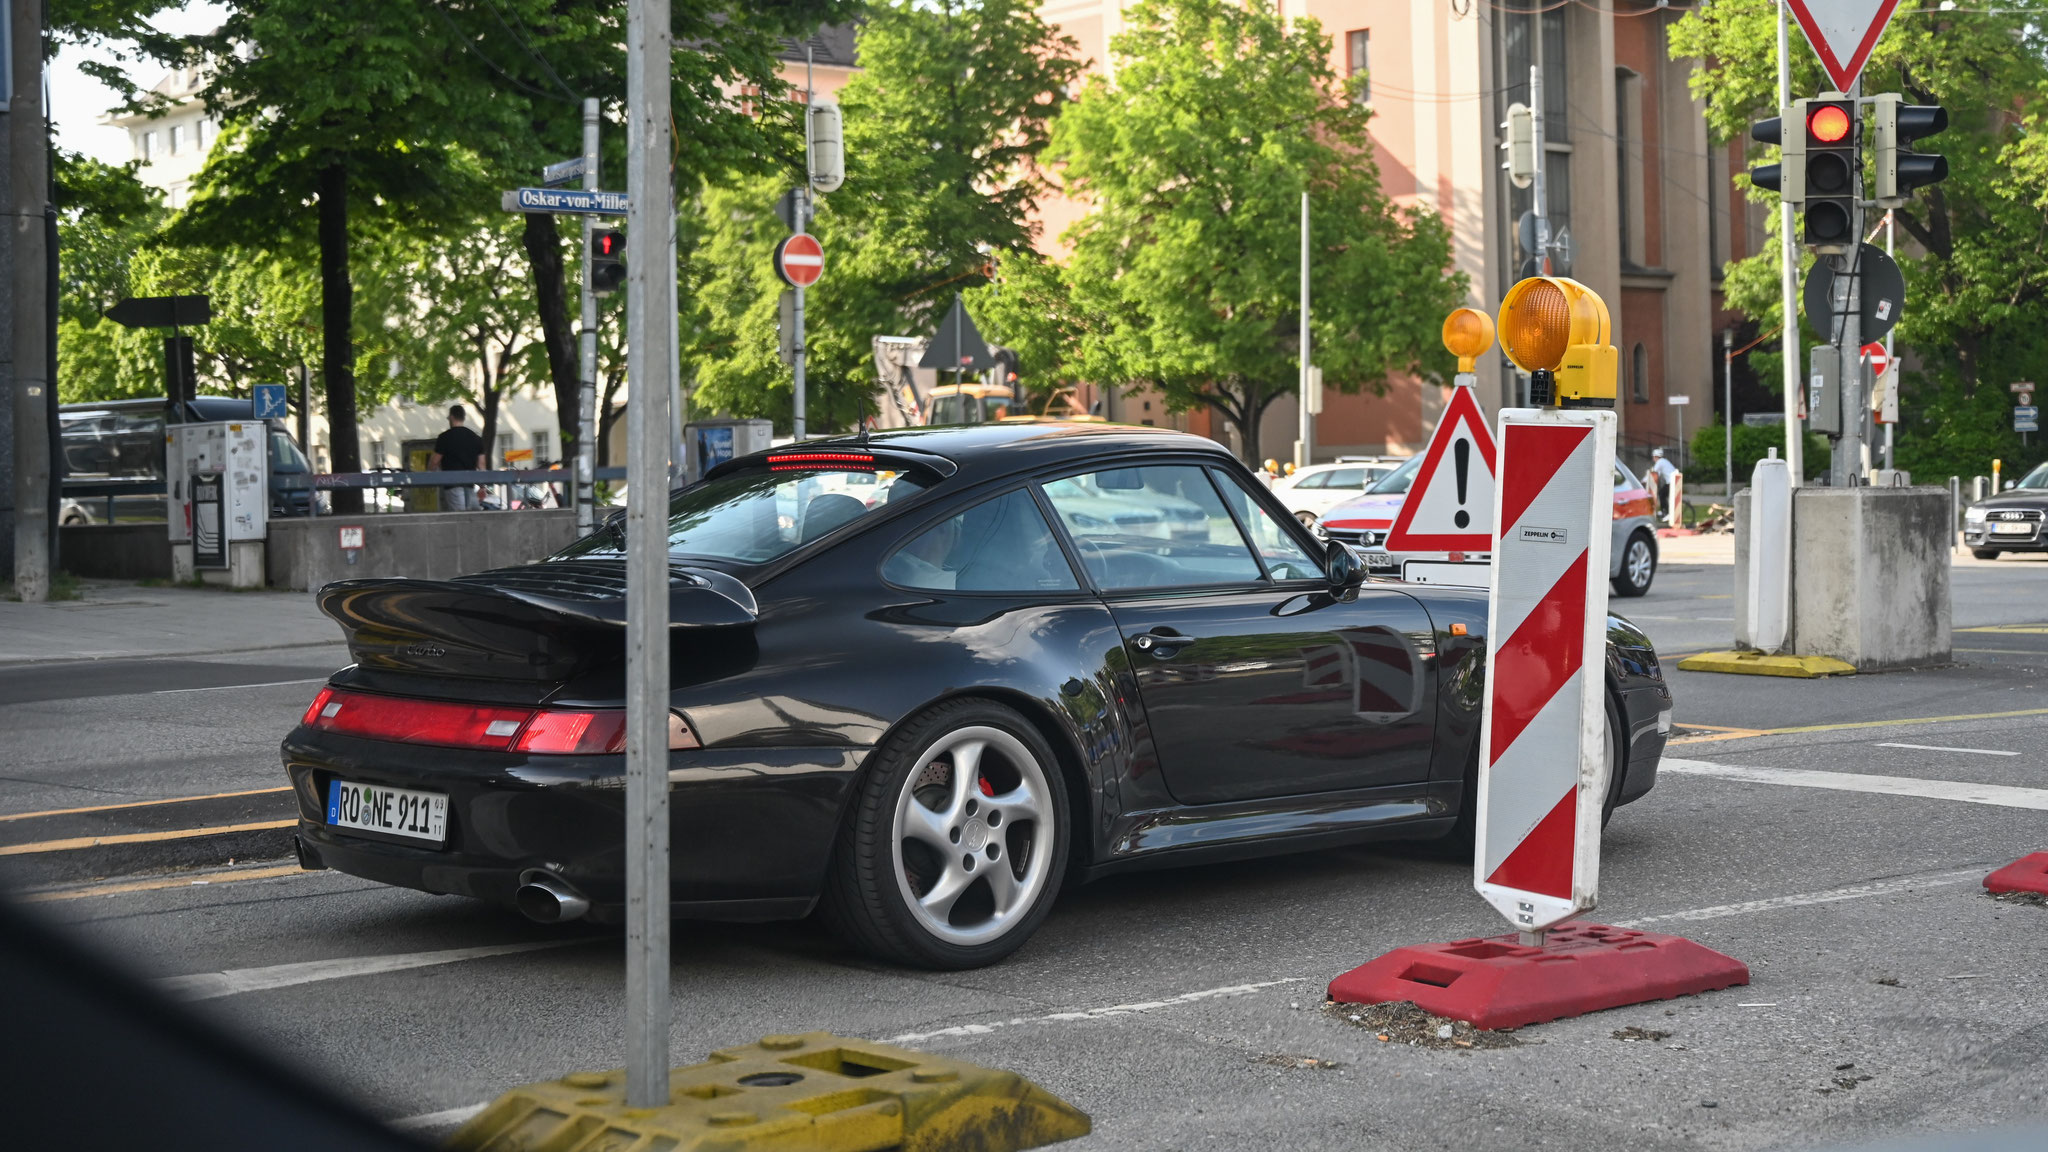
[[1832, 834]]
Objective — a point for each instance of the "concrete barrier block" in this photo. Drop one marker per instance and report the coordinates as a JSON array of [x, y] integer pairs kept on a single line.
[[1870, 576]]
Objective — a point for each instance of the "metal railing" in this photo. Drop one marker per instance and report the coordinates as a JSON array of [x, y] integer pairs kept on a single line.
[[560, 481]]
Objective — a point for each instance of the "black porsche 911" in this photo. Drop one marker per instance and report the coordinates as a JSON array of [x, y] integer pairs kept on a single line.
[[921, 680]]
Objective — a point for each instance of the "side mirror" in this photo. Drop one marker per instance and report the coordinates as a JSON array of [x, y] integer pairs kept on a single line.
[[1343, 566]]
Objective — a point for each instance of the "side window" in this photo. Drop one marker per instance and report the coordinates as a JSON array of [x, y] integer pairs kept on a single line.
[[1351, 478], [1284, 558], [1315, 480], [1158, 526], [999, 545]]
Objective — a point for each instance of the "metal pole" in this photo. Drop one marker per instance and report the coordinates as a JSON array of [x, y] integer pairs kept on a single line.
[[1846, 469], [650, 209], [29, 168], [586, 346], [1728, 414], [1304, 441], [1788, 287], [1890, 348], [803, 207], [1537, 190]]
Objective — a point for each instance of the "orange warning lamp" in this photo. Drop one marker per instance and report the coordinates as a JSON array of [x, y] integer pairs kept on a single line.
[[1468, 333], [1557, 330]]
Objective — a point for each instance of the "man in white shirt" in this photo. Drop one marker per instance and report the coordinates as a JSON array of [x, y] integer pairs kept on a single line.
[[1663, 470]]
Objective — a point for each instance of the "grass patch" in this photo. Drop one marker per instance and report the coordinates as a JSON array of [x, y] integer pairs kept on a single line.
[[63, 586]]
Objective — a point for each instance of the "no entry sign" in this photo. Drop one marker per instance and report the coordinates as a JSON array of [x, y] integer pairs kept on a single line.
[[1880, 360], [1543, 766], [800, 260]]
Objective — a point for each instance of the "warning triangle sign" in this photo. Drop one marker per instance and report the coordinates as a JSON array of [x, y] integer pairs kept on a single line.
[[1842, 33], [1450, 503]]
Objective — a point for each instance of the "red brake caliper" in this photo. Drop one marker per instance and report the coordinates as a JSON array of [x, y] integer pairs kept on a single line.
[[987, 789]]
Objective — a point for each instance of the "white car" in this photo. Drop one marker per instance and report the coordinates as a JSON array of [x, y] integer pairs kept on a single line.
[[1313, 490]]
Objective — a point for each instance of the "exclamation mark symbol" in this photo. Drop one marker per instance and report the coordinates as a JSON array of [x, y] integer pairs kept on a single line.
[[1461, 458]]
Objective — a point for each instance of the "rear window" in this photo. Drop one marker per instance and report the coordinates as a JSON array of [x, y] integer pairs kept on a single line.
[[755, 517]]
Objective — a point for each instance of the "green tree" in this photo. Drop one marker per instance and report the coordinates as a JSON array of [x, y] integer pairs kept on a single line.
[[1193, 161], [943, 126], [1976, 301], [478, 334]]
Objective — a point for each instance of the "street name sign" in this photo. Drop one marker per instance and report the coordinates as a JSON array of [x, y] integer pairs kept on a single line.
[[1543, 771], [162, 311], [270, 404], [1843, 33], [800, 260], [1678, 401], [562, 172], [564, 200], [1449, 506]]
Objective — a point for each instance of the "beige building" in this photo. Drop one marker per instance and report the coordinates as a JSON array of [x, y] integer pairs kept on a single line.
[[172, 147], [1627, 173]]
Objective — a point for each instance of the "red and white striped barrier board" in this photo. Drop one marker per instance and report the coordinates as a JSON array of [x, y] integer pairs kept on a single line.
[[1543, 771]]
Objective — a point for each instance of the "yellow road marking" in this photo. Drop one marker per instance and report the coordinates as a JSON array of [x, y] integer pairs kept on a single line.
[[187, 881], [139, 837], [1911, 720], [2004, 651], [1718, 596], [2024, 629], [1719, 733], [143, 803]]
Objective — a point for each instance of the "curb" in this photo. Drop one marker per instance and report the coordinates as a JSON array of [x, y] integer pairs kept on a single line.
[[116, 840], [1758, 664]]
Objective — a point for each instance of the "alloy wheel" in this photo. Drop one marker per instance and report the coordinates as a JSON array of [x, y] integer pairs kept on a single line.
[[972, 843], [1638, 564]]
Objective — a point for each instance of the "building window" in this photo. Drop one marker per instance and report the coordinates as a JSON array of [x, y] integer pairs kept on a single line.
[[376, 453], [177, 137], [148, 146], [1639, 372], [200, 132], [1359, 46], [1524, 26]]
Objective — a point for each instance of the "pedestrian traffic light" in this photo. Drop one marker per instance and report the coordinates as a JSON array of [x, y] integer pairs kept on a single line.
[[1005, 370], [1828, 187], [1897, 125], [607, 261], [1518, 140], [1788, 176], [1558, 331]]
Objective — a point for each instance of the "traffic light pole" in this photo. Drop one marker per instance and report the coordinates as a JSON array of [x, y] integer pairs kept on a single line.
[[586, 365], [1788, 272], [1845, 470], [803, 224]]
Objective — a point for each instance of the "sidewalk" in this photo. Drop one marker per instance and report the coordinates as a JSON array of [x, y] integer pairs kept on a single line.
[[113, 620]]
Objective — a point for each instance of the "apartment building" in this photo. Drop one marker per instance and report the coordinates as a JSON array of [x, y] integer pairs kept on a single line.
[[1627, 171]]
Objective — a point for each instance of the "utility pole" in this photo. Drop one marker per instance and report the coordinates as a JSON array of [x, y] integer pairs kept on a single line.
[[1788, 283], [650, 302], [1845, 469], [1305, 441], [29, 174], [1542, 201], [586, 346], [803, 224]]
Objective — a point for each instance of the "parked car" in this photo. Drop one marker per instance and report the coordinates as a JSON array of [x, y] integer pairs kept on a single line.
[[1311, 490], [920, 718], [121, 442], [1363, 523], [2011, 520]]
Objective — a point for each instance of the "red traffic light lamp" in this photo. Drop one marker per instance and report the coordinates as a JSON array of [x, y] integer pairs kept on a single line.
[[607, 261]]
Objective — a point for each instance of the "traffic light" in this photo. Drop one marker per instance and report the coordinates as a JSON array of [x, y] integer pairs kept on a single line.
[[1518, 140], [1828, 190], [1788, 176], [1899, 169], [607, 261]]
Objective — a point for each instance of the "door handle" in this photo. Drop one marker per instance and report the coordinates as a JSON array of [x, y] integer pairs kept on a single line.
[[1159, 642]]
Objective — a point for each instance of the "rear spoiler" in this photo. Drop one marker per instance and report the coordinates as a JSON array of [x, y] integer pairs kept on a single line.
[[514, 624]]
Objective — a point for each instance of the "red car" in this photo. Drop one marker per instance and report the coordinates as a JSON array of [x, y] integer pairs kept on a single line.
[[1363, 521]]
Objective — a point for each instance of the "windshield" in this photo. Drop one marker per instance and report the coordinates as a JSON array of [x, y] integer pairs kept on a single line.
[[2038, 478], [1398, 480], [754, 517], [968, 409]]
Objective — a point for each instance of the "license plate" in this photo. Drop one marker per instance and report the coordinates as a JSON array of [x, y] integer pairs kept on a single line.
[[2012, 528], [392, 811]]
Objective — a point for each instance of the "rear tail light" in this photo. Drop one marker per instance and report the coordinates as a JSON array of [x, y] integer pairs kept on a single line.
[[454, 725]]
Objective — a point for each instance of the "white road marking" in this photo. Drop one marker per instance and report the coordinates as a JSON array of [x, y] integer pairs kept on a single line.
[[1939, 748], [2001, 795], [228, 687], [1804, 899], [1092, 1013], [446, 1118], [235, 981]]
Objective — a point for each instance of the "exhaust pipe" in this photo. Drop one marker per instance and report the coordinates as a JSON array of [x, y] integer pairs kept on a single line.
[[549, 900]]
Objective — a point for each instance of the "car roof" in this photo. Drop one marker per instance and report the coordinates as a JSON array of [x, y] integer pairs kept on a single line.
[[987, 451]]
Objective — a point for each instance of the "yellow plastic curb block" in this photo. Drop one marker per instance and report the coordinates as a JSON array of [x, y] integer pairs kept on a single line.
[[1758, 664], [810, 1093]]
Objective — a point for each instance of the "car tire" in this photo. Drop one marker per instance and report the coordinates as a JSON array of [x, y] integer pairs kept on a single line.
[[1460, 840], [1985, 553], [915, 875], [1638, 566]]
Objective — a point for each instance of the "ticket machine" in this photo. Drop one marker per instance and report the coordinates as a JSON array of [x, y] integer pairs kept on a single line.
[[218, 480]]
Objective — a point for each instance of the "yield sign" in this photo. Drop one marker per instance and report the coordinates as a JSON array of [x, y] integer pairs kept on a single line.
[[800, 260], [1450, 502], [1842, 33]]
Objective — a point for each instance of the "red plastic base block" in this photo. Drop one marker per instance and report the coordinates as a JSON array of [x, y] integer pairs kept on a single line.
[[2026, 874], [1496, 982]]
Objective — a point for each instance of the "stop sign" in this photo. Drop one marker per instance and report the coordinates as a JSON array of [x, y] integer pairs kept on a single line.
[[1878, 357], [800, 260]]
